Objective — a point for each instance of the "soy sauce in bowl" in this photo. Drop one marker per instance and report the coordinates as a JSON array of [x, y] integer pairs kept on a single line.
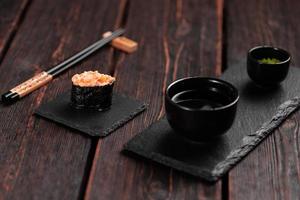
[[200, 108], [196, 99]]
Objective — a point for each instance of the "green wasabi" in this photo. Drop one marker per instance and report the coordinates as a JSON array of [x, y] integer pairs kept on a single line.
[[269, 61]]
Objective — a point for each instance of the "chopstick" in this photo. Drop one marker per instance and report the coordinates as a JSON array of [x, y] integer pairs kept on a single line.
[[44, 77]]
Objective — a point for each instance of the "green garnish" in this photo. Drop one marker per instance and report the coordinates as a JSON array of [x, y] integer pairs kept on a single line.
[[269, 61]]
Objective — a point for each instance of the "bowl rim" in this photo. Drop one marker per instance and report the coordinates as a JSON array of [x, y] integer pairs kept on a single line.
[[269, 47], [202, 78]]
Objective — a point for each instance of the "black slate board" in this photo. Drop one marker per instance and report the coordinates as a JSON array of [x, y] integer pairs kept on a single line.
[[94, 123], [259, 112]]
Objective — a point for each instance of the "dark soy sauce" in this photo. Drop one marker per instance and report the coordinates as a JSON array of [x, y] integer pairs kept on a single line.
[[195, 99]]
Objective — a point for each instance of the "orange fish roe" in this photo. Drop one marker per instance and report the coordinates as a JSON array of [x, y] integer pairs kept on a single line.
[[92, 79]]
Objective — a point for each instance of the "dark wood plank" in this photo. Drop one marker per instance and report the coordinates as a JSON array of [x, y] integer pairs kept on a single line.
[[272, 170], [175, 39], [11, 15], [39, 159]]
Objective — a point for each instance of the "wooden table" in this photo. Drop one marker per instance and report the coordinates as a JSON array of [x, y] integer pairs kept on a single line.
[[42, 160]]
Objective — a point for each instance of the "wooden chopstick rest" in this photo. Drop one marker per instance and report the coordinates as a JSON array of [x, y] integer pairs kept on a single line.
[[122, 43]]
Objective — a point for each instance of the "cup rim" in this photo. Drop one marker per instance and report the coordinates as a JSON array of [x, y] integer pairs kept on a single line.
[[269, 47], [203, 78]]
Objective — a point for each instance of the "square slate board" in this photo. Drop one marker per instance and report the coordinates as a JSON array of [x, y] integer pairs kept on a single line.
[[94, 123], [259, 112]]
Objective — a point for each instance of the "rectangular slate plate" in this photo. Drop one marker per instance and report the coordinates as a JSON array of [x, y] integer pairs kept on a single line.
[[94, 123], [259, 113]]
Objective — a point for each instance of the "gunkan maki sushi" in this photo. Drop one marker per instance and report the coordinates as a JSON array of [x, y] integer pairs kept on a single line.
[[92, 90]]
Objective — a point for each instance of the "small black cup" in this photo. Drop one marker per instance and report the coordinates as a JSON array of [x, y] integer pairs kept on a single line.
[[267, 74], [201, 109]]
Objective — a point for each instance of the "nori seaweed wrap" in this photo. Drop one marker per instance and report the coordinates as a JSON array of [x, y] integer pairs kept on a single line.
[[92, 90]]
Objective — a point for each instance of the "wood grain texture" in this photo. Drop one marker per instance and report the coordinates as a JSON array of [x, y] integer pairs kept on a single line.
[[11, 15], [39, 159], [272, 170], [173, 42]]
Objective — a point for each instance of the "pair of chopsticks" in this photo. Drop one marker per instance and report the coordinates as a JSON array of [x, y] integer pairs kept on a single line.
[[44, 77]]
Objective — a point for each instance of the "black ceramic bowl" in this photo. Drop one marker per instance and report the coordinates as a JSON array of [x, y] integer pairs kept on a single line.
[[266, 74], [201, 108]]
